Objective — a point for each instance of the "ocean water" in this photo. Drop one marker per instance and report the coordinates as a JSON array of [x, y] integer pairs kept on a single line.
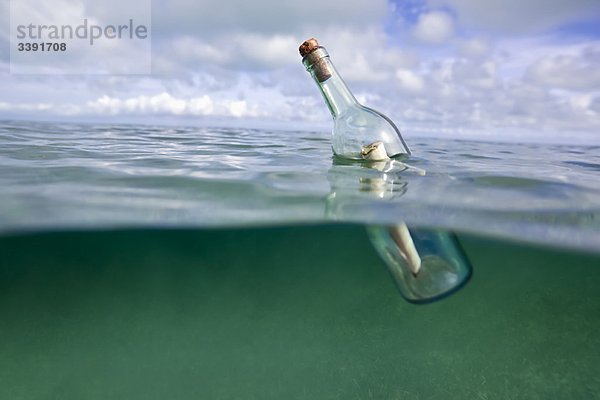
[[109, 176], [178, 262]]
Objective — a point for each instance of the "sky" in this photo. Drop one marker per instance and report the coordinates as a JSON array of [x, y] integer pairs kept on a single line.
[[526, 70]]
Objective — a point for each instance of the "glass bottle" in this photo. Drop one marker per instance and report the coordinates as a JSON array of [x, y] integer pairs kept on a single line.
[[426, 264], [359, 132]]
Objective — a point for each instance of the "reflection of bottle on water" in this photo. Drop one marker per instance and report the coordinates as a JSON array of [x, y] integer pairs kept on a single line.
[[426, 264]]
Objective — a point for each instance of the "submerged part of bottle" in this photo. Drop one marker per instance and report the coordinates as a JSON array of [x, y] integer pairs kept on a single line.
[[425, 264], [355, 127]]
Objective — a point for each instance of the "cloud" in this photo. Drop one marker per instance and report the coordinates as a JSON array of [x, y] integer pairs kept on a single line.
[[190, 49], [518, 16], [593, 105], [571, 72], [165, 103], [253, 102], [481, 75], [409, 80], [206, 18], [159, 104], [79, 56], [434, 27], [442, 70], [474, 47], [363, 56], [5, 106], [249, 51]]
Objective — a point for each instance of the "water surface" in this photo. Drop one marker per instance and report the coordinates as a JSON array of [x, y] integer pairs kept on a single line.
[[90, 176]]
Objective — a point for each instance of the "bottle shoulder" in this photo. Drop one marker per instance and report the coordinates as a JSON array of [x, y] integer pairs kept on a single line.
[[362, 117], [360, 126]]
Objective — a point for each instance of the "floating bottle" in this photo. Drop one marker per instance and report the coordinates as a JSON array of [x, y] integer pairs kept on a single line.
[[359, 132], [426, 264]]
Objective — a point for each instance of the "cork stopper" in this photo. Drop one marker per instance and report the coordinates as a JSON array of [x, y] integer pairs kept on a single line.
[[308, 47], [315, 59]]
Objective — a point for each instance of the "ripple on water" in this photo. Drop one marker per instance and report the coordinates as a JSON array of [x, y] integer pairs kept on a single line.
[[95, 175], [592, 166]]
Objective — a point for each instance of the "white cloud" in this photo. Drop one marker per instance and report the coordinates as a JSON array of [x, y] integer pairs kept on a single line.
[[239, 60], [363, 56], [237, 51], [269, 51], [203, 105], [474, 47], [434, 27], [518, 16], [565, 71], [481, 75], [190, 49], [165, 103], [118, 57], [5, 106], [583, 104], [207, 17], [409, 80], [594, 106]]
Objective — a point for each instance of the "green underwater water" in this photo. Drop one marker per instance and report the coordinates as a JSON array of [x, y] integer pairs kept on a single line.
[[307, 312]]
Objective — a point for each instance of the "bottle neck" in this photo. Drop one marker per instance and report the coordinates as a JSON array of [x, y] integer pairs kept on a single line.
[[335, 92]]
